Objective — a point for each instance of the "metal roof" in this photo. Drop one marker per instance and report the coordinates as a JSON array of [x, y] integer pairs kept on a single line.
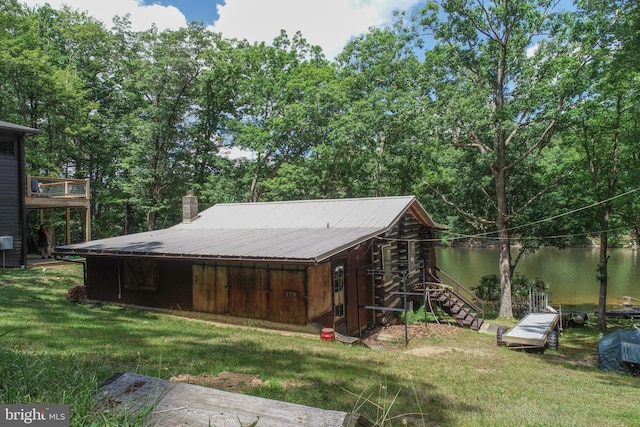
[[12, 127], [310, 230], [332, 213]]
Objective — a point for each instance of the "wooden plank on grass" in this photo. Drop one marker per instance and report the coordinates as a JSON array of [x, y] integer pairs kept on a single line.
[[179, 404]]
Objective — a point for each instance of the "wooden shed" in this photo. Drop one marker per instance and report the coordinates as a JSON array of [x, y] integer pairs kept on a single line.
[[13, 217], [336, 263]]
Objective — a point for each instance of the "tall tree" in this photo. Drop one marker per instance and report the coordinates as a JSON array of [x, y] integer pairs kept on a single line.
[[604, 116], [272, 119], [161, 93], [379, 123], [216, 92], [498, 103]]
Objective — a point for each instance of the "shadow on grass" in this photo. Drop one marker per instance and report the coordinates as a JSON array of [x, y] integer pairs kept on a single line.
[[578, 350], [95, 341]]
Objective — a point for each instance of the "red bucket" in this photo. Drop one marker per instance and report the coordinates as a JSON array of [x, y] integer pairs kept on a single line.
[[327, 334]]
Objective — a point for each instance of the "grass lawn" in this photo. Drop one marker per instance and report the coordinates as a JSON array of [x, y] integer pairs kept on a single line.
[[54, 351]]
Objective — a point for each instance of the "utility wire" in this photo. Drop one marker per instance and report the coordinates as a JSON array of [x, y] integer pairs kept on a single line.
[[486, 234]]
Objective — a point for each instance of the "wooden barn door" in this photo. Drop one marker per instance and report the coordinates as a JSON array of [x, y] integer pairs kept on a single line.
[[248, 292], [287, 297], [210, 289]]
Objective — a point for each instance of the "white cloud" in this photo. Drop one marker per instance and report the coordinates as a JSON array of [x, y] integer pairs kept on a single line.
[[141, 16], [235, 153], [328, 23]]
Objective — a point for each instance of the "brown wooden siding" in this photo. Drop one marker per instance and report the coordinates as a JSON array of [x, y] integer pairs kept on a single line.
[[320, 291], [105, 283], [287, 302], [358, 290], [283, 293], [248, 292], [267, 292], [210, 289]]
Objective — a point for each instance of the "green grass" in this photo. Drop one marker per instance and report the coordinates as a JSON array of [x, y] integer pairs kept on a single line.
[[54, 351]]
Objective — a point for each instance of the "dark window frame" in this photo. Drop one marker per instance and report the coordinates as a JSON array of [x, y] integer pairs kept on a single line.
[[141, 275], [7, 147]]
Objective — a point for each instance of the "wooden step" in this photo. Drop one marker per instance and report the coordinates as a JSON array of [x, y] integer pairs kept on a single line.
[[448, 304], [468, 321], [462, 314], [456, 308], [477, 323]]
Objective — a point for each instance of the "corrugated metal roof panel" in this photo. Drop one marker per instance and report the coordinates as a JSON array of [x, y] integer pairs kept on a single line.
[[298, 244], [377, 212], [310, 230]]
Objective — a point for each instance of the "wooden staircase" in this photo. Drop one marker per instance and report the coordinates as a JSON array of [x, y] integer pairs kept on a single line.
[[456, 300], [465, 313]]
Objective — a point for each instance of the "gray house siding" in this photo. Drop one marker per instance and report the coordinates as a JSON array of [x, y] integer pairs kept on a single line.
[[10, 199]]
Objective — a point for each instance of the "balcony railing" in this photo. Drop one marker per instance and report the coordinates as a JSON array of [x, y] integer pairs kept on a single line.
[[58, 188]]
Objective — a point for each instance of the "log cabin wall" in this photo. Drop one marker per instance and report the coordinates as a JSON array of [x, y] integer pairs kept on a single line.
[[407, 232]]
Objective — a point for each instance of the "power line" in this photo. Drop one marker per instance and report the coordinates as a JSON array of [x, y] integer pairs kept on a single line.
[[487, 234], [559, 236]]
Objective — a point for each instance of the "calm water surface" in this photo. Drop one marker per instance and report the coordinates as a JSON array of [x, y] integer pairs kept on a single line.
[[570, 273]]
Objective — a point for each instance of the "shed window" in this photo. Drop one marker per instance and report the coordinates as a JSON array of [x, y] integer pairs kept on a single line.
[[338, 291], [386, 263], [411, 253], [7, 147], [141, 275]]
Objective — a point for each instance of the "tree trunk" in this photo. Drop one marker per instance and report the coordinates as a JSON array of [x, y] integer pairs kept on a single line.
[[602, 275], [151, 220], [506, 309]]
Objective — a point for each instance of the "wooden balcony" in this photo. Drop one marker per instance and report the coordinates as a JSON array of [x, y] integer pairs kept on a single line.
[[57, 193], [53, 193]]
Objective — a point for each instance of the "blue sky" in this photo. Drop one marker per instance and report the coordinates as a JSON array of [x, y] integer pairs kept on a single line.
[[194, 10], [328, 23]]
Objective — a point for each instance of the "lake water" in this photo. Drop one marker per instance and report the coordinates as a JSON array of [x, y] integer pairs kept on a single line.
[[570, 273]]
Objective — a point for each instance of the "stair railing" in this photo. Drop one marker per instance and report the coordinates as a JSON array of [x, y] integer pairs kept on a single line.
[[465, 294]]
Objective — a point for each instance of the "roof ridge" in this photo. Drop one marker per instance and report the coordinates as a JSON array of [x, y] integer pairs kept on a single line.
[[277, 202]]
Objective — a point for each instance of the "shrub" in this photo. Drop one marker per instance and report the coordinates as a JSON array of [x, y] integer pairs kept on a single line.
[[488, 288], [417, 316]]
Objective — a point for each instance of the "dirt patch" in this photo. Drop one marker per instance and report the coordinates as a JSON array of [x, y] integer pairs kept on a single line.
[[229, 381], [424, 341], [384, 335]]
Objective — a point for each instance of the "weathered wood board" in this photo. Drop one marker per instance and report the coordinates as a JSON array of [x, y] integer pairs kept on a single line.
[[179, 404]]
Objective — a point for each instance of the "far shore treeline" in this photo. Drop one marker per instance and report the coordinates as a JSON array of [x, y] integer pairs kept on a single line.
[[512, 120]]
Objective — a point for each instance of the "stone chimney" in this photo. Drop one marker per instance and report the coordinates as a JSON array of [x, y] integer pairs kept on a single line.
[[189, 207]]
